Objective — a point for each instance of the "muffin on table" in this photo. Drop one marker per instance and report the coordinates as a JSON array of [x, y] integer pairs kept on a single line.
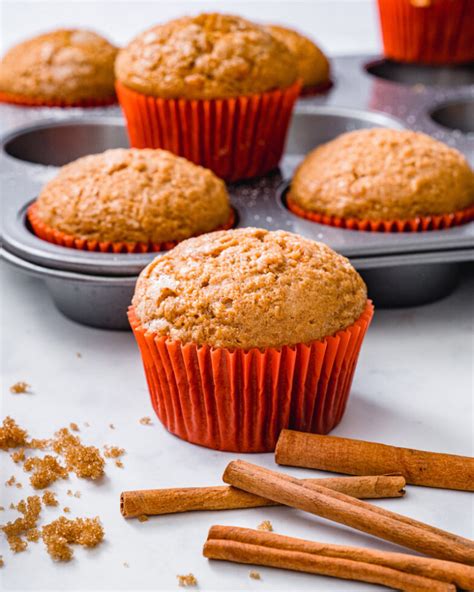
[[214, 88], [260, 331], [64, 68], [313, 66], [384, 180], [129, 201]]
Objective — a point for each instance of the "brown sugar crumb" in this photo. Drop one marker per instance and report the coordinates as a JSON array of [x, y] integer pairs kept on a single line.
[[111, 426], [147, 421], [33, 535], [255, 575], [143, 518], [12, 506], [18, 455], [74, 427], [125, 564], [63, 440], [59, 535], [71, 493], [14, 531], [18, 485], [20, 387], [78, 355], [39, 443], [113, 451], [66, 510], [188, 580], [46, 470], [2, 563], [85, 461], [49, 499], [2, 509], [11, 481], [265, 525], [11, 435], [119, 464]]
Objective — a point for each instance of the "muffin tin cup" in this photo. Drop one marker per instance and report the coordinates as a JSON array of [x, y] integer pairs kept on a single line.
[[52, 235], [439, 33], [22, 100], [237, 138], [420, 224], [238, 400], [316, 89]]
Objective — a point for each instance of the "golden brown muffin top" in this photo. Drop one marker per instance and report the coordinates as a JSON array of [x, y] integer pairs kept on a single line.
[[248, 288], [134, 196], [312, 64], [69, 64], [383, 174], [205, 57]]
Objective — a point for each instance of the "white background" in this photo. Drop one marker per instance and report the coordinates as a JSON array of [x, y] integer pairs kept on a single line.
[[413, 385]]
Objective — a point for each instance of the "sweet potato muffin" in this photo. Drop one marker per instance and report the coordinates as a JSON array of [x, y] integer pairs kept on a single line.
[[312, 64], [205, 57], [145, 196], [383, 174], [69, 65], [249, 288]]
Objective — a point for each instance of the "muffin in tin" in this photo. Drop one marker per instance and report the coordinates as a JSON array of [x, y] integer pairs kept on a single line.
[[384, 179], [313, 66], [130, 201], [259, 330], [214, 88], [66, 67]]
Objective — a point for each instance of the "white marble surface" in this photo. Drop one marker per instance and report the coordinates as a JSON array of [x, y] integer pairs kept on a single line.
[[413, 387]]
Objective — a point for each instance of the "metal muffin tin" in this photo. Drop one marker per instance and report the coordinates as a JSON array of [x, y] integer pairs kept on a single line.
[[401, 269]]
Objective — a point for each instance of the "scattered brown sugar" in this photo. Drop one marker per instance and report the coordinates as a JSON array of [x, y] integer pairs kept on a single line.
[[18, 485], [12, 506], [143, 518], [49, 499], [113, 451], [78, 354], [111, 426], [119, 464], [46, 470], [20, 387], [265, 525], [147, 421], [66, 510], [18, 455], [71, 493], [63, 440], [11, 481], [39, 443], [74, 427], [2, 509], [14, 531], [33, 535], [85, 461], [188, 580], [11, 435], [255, 575], [125, 564], [60, 534], [2, 563]]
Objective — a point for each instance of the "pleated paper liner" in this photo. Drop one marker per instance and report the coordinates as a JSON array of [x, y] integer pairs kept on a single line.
[[62, 239], [237, 138], [239, 400], [25, 101], [420, 224], [428, 31], [316, 89]]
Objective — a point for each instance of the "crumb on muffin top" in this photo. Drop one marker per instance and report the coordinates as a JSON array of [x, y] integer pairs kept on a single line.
[[249, 288], [312, 64], [383, 174], [134, 196], [208, 56], [68, 64]]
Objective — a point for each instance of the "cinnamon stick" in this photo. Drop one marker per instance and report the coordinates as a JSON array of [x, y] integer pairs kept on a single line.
[[436, 569], [347, 510], [152, 502], [232, 549], [357, 457]]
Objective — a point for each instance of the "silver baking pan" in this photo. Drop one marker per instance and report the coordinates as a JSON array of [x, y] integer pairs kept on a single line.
[[402, 269]]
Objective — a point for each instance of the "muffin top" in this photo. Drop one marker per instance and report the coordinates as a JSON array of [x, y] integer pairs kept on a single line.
[[312, 64], [249, 288], [208, 56], [69, 64], [134, 196], [383, 174]]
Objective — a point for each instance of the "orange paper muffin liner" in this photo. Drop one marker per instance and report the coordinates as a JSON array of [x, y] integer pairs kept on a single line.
[[237, 138], [238, 400], [421, 224], [429, 31], [62, 239], [15, 99]]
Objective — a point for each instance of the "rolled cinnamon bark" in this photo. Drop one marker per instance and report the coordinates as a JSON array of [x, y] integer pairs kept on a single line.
[[357, 457], [153, 502], [436, 569]]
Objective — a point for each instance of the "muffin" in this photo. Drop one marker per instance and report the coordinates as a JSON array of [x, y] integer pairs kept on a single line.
[[216, 89], [428, 31], [129, 201], [384, 179], [65, 68], [312, 64], [245, 332]]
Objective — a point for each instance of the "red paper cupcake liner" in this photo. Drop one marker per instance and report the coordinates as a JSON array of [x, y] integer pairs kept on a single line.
[[441, 32], [316, 89], [239, 400], [237, 138], [62, 239], [420, 224], [16, 99]]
